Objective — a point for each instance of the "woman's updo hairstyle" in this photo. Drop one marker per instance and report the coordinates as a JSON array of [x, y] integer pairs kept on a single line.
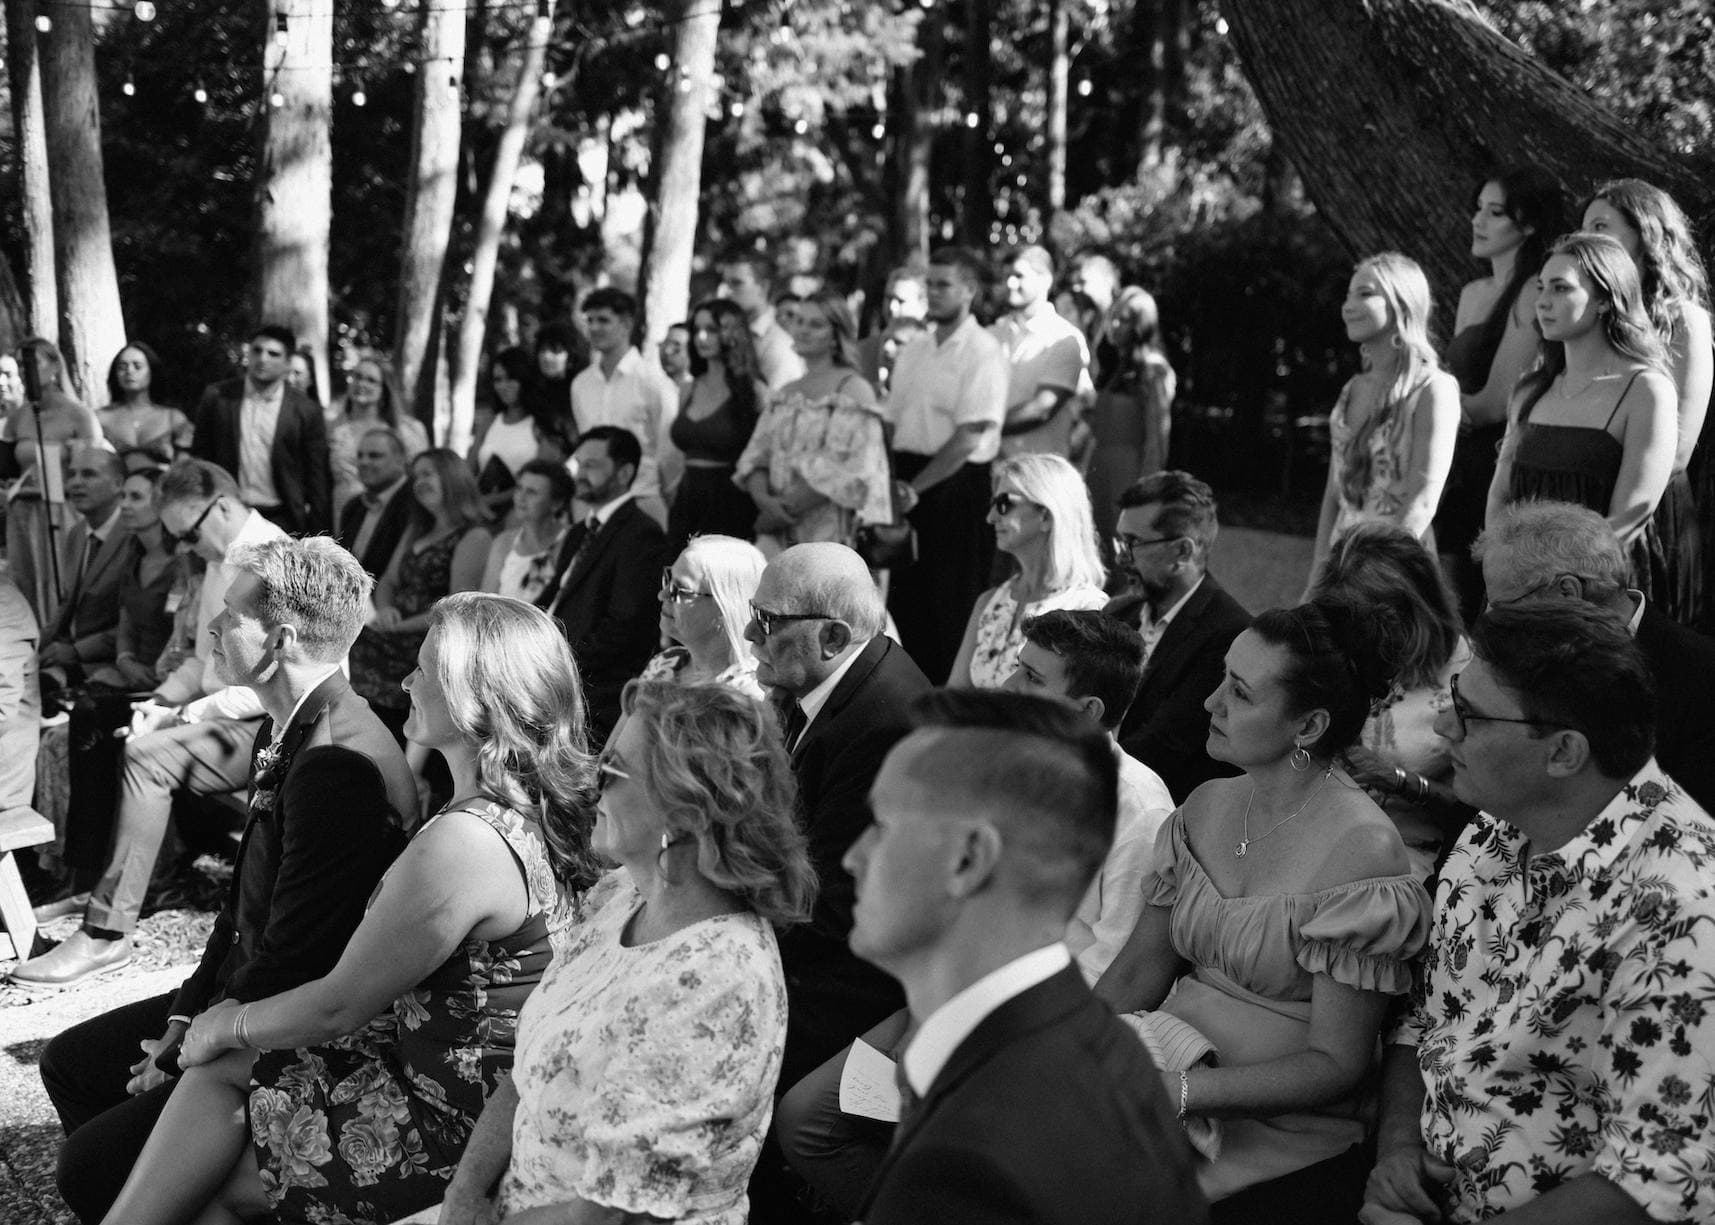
[[1332, 666]]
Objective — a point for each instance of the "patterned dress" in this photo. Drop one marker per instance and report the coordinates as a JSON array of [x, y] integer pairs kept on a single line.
[[1000, 633], [380, 661], [369, 1128]]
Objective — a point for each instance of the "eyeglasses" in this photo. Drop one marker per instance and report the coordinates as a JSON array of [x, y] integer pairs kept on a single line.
[[1126, 544], [193, 533], [671, 590], [1463, 714], [605, 770], [1006, 503], [768, 622]]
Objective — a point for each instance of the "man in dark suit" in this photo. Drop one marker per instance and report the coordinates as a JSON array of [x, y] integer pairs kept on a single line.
[[1558, 550], [327, 815], [607, 574], [1167, 525], [1023, 1098], [84, 633], [270, 436], [372, 523]]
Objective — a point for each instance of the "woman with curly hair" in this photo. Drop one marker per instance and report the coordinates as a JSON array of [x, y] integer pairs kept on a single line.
[[646, 1063], [717, 412], [351, 1098]]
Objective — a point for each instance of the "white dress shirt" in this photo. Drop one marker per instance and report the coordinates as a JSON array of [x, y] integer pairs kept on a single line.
[[1114, 899], [950, 1024], [937, 386], [639, 397], [776, 356], [258, 419], [811, 703], [1153, 628]]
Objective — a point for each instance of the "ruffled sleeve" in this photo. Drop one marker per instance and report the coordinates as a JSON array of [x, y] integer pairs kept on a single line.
[[1160, 884], [1367, 934]]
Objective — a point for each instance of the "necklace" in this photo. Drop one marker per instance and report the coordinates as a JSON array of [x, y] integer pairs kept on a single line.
[[1566, 393], [1245, 842]]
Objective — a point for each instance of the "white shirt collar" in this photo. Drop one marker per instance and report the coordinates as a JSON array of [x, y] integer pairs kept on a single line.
[[605, 511], [811, 703], [256, 529], [763, 322], [106, 529], [386, 495], [1161, 622], [280, 729], [626, 365], [1637, 613], [949, 1025]]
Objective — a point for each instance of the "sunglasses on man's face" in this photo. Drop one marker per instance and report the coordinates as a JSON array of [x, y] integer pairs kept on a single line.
[[192, 534]]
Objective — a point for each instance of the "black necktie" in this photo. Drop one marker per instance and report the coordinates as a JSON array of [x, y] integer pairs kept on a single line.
[[908, 1099], [796, 722]]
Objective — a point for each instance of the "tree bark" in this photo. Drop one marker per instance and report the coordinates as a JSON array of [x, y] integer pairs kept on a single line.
[[977, 212], [295, 175], [678, 169], [23, 66], [1059, 86], [429, 208], [1392, 110], [913, 122], [456, 431], [92, 327]]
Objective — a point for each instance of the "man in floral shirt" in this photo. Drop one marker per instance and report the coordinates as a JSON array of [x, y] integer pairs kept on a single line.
[[1557, 1063]]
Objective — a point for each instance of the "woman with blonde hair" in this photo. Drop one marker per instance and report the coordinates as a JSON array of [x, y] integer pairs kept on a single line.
[[705, 605], [351, 1097], [1395, 424], [372, 397], [647, 1060], [1041, 517]]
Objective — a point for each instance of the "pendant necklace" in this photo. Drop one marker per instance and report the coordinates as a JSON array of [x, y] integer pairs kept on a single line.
[[1245, 842]]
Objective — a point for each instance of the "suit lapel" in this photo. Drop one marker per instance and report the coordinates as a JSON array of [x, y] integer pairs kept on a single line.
[[585, 557], [868, 660], [112, 549], [1170, 652]]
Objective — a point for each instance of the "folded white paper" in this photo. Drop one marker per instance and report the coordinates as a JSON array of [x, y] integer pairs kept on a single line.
[[867, 1085]]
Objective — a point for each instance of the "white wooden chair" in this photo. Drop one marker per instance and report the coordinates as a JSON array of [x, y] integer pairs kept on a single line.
[[19, 828]]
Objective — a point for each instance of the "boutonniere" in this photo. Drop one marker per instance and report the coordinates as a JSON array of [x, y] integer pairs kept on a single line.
[[262, 799], [269, 758]]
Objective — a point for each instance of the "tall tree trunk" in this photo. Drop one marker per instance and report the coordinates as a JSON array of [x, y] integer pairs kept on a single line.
[[429, 208], [678, 169], [462, 401], [92, 327], [1059, 86], [14, 315], [23, 67], [913, 124], [1447, 100], [977, 213], [295, 175]]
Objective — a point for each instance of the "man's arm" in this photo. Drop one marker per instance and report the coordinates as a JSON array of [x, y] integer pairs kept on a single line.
[[950, 458], [1405, 1176]]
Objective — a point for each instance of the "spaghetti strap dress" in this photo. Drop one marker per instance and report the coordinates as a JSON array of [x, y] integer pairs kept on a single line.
[[1459, 516]]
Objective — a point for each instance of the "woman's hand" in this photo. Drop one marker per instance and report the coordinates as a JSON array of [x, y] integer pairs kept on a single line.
[[211, 1034], [466, 1207]]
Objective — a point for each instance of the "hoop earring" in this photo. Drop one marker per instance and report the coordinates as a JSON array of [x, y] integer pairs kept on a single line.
[[1396, 342], [662, 868], [1300, 758]]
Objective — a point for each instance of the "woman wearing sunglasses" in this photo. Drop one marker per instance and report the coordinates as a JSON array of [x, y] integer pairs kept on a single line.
[[705, 605], [647, 1059], [1041, 519], [351, 1098]]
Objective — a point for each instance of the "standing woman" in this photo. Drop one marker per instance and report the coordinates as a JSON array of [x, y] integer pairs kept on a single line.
[[717, 413], [372, 398], [1655, 233], [1518, 213], [513, 437], [146, 434], [29, 519], [1133, 411], [1596, 423], [1394, 425], [816, 465]]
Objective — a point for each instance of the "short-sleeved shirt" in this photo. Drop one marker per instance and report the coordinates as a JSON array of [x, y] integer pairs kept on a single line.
[[938, 386], [1565, 1018], [1045, 350]]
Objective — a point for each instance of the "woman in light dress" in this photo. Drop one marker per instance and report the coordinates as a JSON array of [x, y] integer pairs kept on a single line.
[[521, 559], [705, 605], [1041, 519]]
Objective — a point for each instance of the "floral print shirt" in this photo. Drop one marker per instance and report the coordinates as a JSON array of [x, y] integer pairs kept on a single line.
[[1565, 1017]]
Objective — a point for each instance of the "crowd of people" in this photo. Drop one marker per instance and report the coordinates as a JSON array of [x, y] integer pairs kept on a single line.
[[816, 778]]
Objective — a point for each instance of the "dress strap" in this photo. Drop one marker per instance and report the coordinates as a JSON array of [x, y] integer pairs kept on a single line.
[[1623, 394], [524, 839]]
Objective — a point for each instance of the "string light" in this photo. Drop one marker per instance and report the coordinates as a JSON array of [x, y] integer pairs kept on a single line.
[[281, 35], [143, 10], [359, 98], [972, 119], [661, 62], [44, 23], [276, 99], [879, 130], [200, 94], [129, 89], [1084, 88]]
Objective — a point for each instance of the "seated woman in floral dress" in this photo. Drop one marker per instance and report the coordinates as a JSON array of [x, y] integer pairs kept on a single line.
[[351, 1098]]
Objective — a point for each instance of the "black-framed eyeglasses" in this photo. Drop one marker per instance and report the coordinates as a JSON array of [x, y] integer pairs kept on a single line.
[[768, 622], [1006, 503], [1463, 714], [193, 533], [670, 590], [1125, 544], [606, 771]]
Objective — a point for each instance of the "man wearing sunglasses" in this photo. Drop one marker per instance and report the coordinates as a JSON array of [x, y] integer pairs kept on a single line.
[[1555, 1063], [193, 732]]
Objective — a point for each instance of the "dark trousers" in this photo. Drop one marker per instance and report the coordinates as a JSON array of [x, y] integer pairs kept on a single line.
[[931, 600], [1327, 1193], [85, 1071], [94, 759]]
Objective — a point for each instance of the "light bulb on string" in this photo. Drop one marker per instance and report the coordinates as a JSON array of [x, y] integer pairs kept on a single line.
[[549, 80], [44, 23], [1085, 88], [972, 119], [389, 4], [143, 10], [129, 89], [359, 98], [736, 110], [281, 34], [661, 62], [276, 99], [200, 94], [878, 131]]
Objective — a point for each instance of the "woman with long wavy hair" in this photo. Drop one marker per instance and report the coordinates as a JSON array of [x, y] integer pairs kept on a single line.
[[1394, 425], [717, 413]]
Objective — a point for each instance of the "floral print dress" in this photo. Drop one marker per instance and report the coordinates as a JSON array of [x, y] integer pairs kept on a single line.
[[1000, 628], [370, 1127]]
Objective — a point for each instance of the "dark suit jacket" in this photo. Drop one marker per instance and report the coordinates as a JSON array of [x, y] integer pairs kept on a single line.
[[1167, 728], [834, 995], [1684, 664], [606, 604], [306, 869], [299, 460], [395, 518], [89, 618], [1050, 1111]]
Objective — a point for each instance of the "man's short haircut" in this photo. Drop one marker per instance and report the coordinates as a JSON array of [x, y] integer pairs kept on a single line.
[[1103, 656], [831, 580], [1040, 768], [279, 332], [395, 442], [1543, 540], [560, 487], [1034, 257], [607, 298], [313, 585], [105, 456], [1188, 506], [967, 261], [761, 267], [1573, 665], [622, 445], [196, 480]]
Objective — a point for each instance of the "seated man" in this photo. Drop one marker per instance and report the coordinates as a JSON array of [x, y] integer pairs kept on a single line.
[[1167, 526], [1024, 1098], [82, 636], [194, 731], [1559, 550], [325, 820], [372, 523], [1555, 1065]]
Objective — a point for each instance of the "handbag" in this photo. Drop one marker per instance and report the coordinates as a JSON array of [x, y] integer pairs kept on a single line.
[[887, 546]]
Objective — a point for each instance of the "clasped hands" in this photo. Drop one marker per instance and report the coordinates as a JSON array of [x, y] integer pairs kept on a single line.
[[1399, 1188]]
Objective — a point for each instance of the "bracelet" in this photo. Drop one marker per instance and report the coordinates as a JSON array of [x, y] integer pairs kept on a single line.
[[1399, 780], [1184, 1091], [240, 1027]]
